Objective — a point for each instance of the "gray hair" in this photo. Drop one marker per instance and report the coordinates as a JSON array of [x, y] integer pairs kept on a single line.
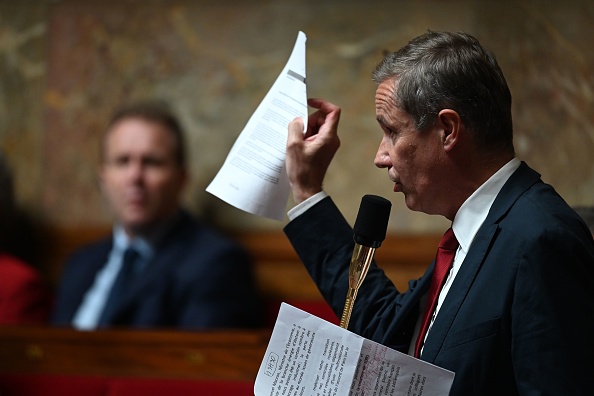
[[445, 70]]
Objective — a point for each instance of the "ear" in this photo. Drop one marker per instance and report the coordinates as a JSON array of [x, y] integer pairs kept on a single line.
[[451, 126]]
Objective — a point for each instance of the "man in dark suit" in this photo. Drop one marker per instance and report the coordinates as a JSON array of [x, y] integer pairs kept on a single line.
[[161, 267], [515, 313]]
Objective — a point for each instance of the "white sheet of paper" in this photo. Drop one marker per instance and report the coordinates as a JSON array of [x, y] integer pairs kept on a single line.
[[307, 355], [253, 177]]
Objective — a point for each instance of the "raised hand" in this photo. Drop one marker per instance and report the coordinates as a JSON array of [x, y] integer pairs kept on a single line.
[[309, 154]]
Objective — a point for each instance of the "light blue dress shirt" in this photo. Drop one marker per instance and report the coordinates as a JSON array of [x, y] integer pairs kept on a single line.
[[88, 313]]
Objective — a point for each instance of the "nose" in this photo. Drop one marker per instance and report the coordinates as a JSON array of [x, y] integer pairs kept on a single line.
[[135, 170], [382, 158]]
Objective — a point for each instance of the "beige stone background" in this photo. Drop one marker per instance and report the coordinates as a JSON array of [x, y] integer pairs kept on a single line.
[[64, 66]]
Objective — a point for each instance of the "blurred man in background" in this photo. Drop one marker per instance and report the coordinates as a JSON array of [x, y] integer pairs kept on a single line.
[[161, 267]]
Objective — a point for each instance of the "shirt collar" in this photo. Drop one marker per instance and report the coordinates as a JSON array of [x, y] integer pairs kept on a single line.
[[121, 242], [145, 244], [474, 210]]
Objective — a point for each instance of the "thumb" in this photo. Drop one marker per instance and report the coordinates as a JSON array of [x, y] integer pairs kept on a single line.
[[295, 129]]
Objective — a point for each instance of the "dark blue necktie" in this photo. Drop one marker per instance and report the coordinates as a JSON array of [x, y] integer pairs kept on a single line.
[[120, 285]]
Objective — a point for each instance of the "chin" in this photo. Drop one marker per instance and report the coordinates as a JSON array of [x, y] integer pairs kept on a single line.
[[412, 204], [135, 223]]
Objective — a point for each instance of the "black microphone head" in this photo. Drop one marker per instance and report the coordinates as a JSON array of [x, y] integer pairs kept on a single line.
[[372, 221]]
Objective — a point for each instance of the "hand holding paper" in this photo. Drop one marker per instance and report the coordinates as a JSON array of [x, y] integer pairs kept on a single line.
[[309, 155]]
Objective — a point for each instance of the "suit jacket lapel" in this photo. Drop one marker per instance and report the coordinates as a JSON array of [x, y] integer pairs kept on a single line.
[[457, 294], [85, 277]]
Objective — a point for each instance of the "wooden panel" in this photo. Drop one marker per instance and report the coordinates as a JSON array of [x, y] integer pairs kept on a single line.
[[279, 272], [62, 242], [229, 355]]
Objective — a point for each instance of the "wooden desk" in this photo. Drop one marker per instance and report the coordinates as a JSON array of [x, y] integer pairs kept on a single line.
[[227, 355]]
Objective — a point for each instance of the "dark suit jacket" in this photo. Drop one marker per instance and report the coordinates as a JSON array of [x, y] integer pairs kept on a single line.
[[519, 317], [197, 279]]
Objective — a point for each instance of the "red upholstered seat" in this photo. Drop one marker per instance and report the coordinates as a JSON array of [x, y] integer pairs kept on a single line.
[[61, 385], [50, 385], [147, 387]]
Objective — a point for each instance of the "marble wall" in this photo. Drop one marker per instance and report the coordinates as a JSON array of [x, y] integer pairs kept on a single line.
[[64, 66]]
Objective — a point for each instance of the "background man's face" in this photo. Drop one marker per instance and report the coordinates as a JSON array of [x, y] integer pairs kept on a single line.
[[140, 175]]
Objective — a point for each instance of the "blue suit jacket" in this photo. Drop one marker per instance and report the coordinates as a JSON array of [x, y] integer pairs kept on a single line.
[[519, 317], [197, 279]]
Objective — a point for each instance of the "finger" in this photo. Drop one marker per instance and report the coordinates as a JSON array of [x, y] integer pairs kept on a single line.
[[316, 103], [323, 105], [333, 115], [295, 130]]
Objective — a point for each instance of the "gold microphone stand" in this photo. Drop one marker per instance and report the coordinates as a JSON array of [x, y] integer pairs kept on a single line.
[[362, 256], [369, 232]]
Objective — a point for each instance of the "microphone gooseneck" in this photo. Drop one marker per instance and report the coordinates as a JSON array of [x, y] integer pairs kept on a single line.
[[369, 233]]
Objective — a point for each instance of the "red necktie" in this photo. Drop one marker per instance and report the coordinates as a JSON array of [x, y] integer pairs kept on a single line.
[[443, 262]]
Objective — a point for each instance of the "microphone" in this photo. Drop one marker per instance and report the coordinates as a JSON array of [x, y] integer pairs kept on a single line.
[[369, 233]]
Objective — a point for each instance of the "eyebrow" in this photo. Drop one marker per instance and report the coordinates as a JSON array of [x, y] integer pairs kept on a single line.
[[384, 122]]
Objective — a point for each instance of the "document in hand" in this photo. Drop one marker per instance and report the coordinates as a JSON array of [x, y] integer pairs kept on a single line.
[[308, 356], [253, 177]]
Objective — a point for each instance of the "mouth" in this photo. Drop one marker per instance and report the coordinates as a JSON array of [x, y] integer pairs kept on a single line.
[[136, 202], [135, 196], [397, 184]]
